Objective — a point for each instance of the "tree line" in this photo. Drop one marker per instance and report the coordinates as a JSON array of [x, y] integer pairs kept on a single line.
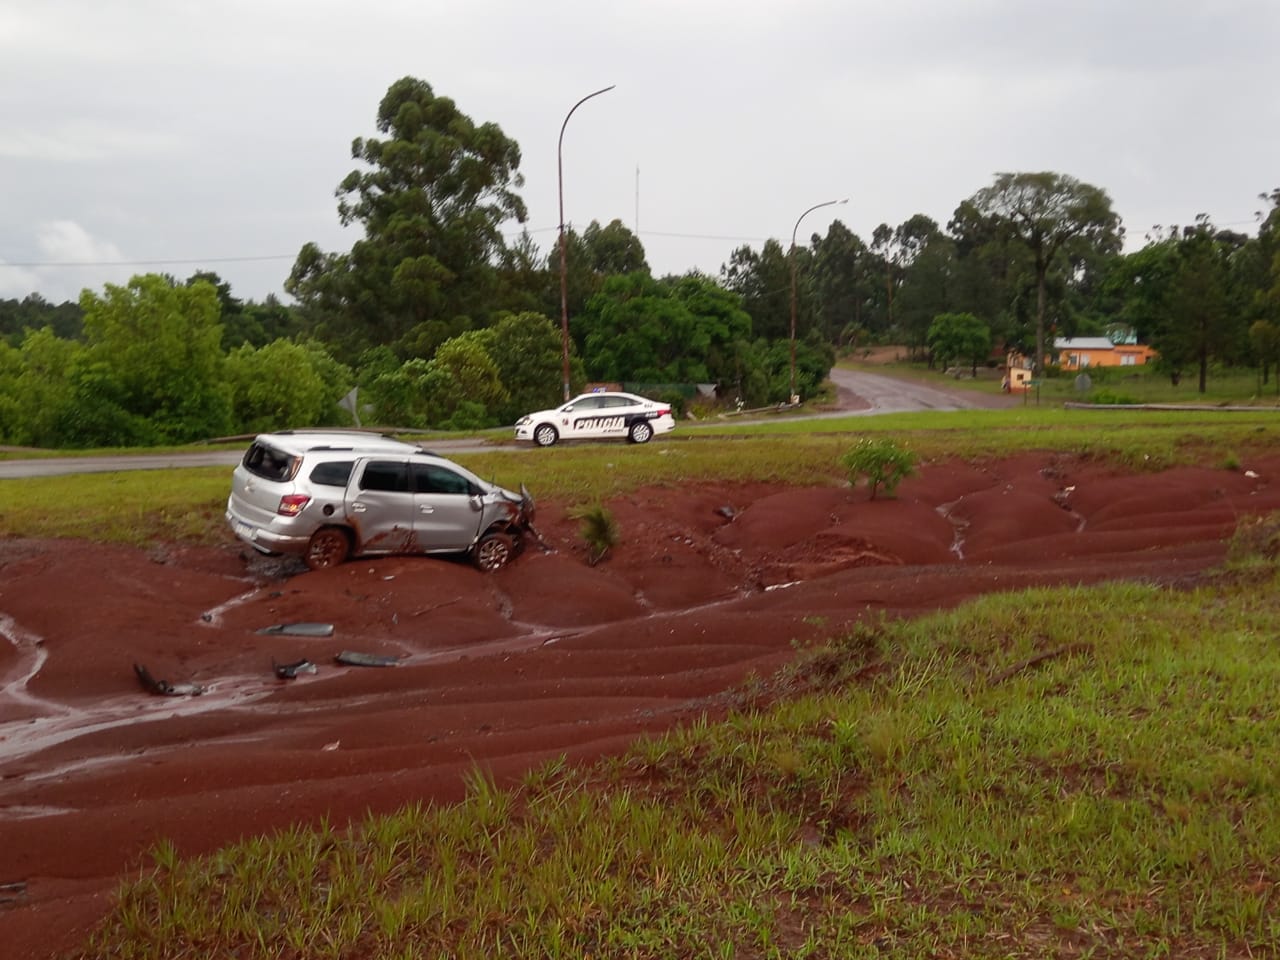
[[438, 321]]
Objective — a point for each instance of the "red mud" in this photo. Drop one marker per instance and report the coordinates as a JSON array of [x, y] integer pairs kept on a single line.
[[548, 657]]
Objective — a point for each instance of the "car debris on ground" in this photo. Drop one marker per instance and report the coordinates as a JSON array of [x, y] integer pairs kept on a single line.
[[290, 671], [164, 687], [299, 629], [353, 659]]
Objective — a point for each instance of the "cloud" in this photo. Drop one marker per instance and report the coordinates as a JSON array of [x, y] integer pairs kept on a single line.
[[69, 260]]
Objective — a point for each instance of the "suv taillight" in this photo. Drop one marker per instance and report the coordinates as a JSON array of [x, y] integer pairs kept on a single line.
[[291, 504]]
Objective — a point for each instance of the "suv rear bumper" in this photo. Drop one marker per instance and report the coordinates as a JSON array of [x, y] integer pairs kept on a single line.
[[264, 539]]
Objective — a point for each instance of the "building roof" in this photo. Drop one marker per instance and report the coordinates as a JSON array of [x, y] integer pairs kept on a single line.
[[1083, 343]]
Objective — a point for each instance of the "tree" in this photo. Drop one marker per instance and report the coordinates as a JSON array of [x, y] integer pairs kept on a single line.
[[957, 337], [723, 327], [763, 282], [36, 392], [18, 317], [462, 386], [1264, 338], [613, 249], [153, 367], [1200, 322], [842, 285], [527, 350], [679, 330], [634, 329], [1048, 213], [431, 198], [280, 385]]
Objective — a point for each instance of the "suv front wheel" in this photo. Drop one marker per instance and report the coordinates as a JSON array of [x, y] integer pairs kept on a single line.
[[494, 551], [329, 547]]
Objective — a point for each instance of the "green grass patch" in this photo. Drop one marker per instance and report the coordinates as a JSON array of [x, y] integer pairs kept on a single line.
[[187, 504], [134, 507]]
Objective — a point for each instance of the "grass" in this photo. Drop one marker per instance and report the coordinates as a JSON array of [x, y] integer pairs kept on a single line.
[[139, 507]]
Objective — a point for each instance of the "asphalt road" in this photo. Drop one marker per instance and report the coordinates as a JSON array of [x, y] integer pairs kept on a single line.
[[862, 394]]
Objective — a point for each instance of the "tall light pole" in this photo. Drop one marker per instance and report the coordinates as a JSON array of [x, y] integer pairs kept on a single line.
[[792, 256], [564, 273]]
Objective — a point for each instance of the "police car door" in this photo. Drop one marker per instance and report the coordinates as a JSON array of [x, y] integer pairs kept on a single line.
[[614, 420], [585, 418]]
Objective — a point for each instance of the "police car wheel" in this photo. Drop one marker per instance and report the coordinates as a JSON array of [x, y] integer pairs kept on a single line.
[[545, 435], [641, 432]]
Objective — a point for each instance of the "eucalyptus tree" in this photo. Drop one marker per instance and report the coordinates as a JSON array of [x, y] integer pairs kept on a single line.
[[1056, 218], [430, 195], [763, 282], [841, 284], [1202, 315], [591, 257]]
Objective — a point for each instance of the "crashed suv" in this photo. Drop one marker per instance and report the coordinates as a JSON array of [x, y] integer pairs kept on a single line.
[[327, 496]]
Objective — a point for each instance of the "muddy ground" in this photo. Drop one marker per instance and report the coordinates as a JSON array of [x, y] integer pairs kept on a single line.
[[548, 657]]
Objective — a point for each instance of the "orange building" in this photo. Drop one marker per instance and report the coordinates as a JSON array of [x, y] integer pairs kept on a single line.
[[1078, 353]]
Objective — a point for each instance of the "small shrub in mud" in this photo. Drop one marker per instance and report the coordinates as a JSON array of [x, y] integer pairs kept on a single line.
[[598, 529], [1256, 540], [880, 462]]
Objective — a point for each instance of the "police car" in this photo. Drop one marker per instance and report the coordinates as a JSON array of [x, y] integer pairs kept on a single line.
[[597, 416]]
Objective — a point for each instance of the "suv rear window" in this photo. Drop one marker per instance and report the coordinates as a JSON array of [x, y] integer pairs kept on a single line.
[[269, 463], [333, 474]]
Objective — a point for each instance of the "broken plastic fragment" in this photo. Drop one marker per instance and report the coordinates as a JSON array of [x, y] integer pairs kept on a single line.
[[353, 659], [164, 687], [300, 629], [290, 671]]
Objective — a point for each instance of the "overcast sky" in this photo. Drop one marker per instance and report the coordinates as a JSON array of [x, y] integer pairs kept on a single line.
[[175, 136]]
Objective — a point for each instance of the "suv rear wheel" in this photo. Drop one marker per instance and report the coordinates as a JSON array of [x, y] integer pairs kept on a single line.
[[329, 547]]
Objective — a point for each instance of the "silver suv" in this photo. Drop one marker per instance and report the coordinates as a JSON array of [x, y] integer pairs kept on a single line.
[[332, 495]]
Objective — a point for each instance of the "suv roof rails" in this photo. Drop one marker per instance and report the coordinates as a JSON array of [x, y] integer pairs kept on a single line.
[[354, 431]]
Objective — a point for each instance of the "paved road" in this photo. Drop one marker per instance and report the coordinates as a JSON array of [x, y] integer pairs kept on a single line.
[[883, 394], [860, 393]]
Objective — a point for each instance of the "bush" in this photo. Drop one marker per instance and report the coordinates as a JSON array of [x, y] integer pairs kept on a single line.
[[880, 462], [1112, 397], [599, 530]]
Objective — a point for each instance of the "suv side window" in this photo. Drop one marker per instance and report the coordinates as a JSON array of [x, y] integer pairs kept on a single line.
[[388, 475], [270, 464], [430, 478], [336, 473]]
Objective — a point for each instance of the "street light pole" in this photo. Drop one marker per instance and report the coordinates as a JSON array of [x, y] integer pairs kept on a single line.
[[794, 398], [564, 274]]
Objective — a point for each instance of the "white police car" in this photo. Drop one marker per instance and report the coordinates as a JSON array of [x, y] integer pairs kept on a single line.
[[598, 416]]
